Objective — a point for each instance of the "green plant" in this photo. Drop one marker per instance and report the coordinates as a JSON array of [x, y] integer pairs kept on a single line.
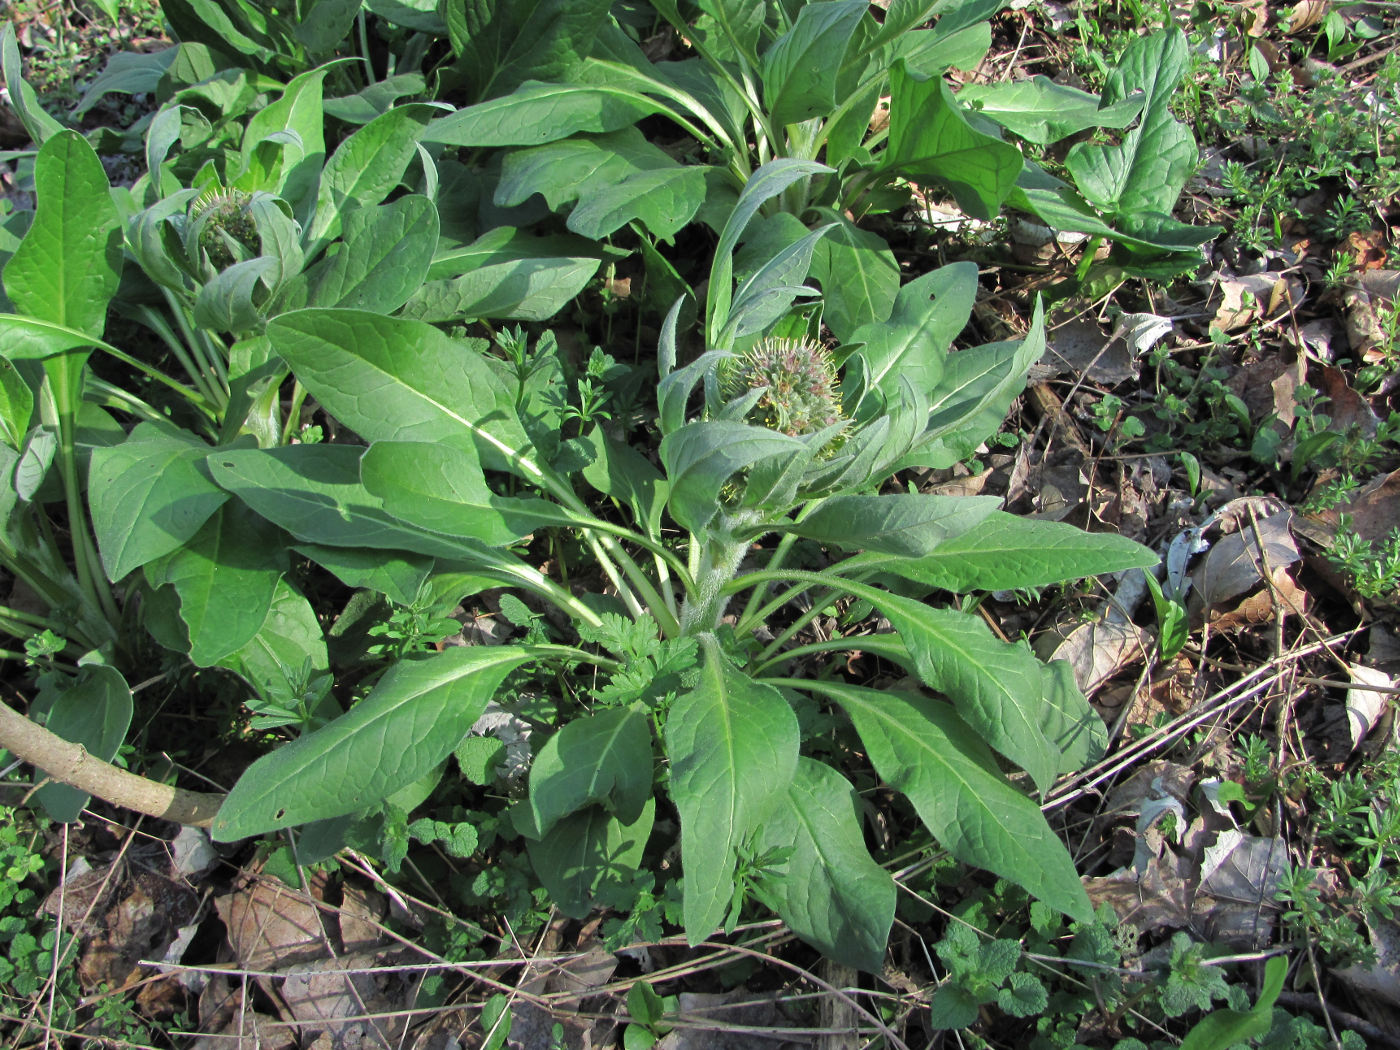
[[1373, 569], [744, 494]]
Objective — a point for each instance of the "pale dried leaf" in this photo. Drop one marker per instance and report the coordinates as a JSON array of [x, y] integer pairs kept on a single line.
[[1383, 979], [1365, 706], [1097, 651], [1304, 15], [1234, 566]]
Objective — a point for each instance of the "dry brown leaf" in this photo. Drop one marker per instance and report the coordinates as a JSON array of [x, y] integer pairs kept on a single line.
[[328, 1000], [1365, 706], [1235, 564], [1268, 294], [271, 925], [1081, 347], [1097, 651], [1383, 979], [1304, 15], [1373, 511]]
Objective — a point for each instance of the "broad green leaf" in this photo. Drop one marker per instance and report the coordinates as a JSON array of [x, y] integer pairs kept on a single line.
[[366, 168], [391, 379], [226, 577], [733, 748], [297, 113], [859, 278], [506, 274], [1068, 721], [235, 299], [588, 854], [971, 399], [396, 575], [322, 25], [383, 257], [701, 457], [16, 402], [904, 524], [126, 73], [996, 686], [663, 200], [765, 296], [500, 44], [830, 893], [66, 269], [801, 70], [25, 338], [211, 23], [575, 167], [40, 126], [377, 98], [1223, 1029], [420, 15], [1147, 171], [603, 758], [921, 748], [315, 493], [1059, 207], [928, 314], [618, 470], [930, 138], [1006, 552], [148, 496], [287, 650], [930, 53], [441, 488], [765, 183], [537, 113], [1042, 111], [407, 726], [95, 711]]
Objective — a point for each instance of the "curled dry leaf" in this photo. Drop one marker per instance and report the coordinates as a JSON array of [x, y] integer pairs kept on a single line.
[[1257, 295], [1304, 15], [1235, 565], [1365, 706]]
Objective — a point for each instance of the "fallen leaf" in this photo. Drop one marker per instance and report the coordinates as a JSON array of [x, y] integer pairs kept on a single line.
[[1099, 650], [271, 925], [1365, 706], [1244, 300], [1235, 564], [1304, 15]]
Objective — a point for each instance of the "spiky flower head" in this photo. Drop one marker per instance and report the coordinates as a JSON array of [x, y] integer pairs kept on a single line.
[[798, 382], [217, 213]]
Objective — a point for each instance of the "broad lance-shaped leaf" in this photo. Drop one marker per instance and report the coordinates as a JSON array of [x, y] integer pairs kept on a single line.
[[701, 457], [383, 258], [995, 686], [977, 387], [93, 710], [390, 379], [365, 169], [148, 496], [408, 724], [801, 69], [733, 747], [66, 269], [920, 747], [315, 493], [928, 314], [859, 277], [499, 44], [904, 524], [226, 576], [536, 113], [441, 488], [930, 138], [589, 853], [287, 649], [1146, 172], [1005, 552], [830, 893], [1042, 111], [604, 758]]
